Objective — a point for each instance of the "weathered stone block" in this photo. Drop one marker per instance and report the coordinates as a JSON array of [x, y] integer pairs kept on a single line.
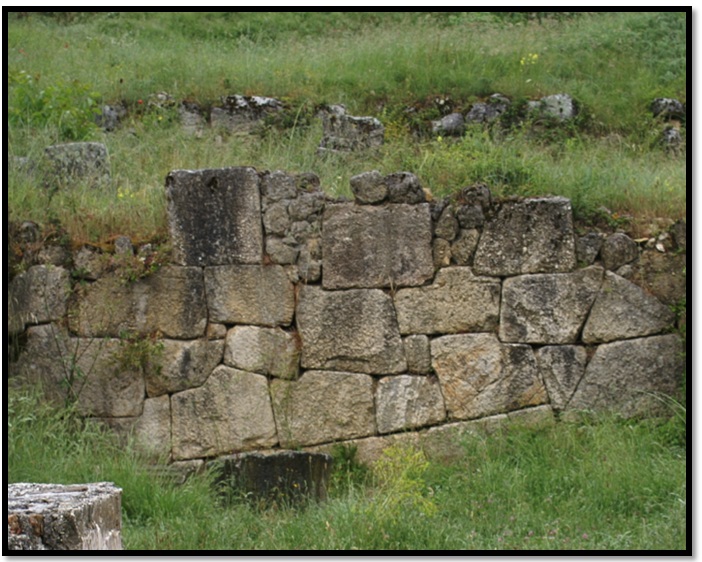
[[267, 351], [180, 365], [457, 301], [618, 249], [662, 275], [38, 295], [406, 402], [58, 517], [464, 246], [353, 330], [95, 373], [153, 429], [347, 133], [622, 311], [242, 114], [561, 367], [404, 187], [547, 308], [479, 376], [367, 246], [528, 236], [588, 247], [214, 216], [369, 188], [323, 406], [246, 294], [622, 376], [230, 412], [77, 161], [171, 301], [447, 225], [290, 477], [418, 354]]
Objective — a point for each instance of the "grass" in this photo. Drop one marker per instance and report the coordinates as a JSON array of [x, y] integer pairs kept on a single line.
[[391, 65], [601, 484]]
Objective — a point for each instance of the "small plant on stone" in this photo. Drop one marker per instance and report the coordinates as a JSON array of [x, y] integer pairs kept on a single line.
[[138, 352]]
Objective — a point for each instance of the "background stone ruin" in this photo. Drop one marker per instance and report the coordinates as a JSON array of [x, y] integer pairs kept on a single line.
[[290, 320]]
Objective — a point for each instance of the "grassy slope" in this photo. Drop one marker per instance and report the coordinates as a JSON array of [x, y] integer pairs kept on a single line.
[[377, 64]]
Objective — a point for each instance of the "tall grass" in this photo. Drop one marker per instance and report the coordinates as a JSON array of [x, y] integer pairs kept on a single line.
[[604, 484]]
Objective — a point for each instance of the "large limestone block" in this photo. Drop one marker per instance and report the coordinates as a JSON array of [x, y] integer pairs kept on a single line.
[[323, 406], [457, 301], [621, 376], [58, 517], [153, 429], [406, 401], [622, 310], [547, 308], [528, 236], [171, 301], [95, 373], [561, 367], [353, 330], [214, 216], [479, 376], [180, 365], [267, 351], [367, 246], [38, 295], [247, 294], [230, 412]]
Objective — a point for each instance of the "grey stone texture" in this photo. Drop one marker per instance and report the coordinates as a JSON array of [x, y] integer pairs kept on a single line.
[[528, 236], [452, 124], [249, 294], [485, 112], [171, 301], [38, 295], [562, 367], [85, 162], [557, 106], [368, 246], [624, 376], [418, 354], [369, 188], [404, 187], [463, 247], [267, 351], [345, 133], [180, 365], [214, 216], [618, 249], [622, 310], [64, 517], [457, 301], [323, 406], [242, 114], [407, 402], [95, 373], [587, 247], [353, 330], [479, 376], [230, 412], [548, 308]]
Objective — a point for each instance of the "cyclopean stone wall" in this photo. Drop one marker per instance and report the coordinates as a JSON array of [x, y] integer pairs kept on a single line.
[[287, 319]]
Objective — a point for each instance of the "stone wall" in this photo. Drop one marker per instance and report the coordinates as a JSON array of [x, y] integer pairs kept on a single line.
[[287, 319]]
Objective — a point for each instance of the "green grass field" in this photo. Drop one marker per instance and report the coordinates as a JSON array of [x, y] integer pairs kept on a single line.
[[604, 484], [389, 65]]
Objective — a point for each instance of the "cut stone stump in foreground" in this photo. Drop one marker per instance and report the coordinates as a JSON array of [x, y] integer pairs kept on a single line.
[[58, 517]]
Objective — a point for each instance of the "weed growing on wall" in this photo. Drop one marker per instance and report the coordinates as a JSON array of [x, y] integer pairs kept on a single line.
[[138, 352]]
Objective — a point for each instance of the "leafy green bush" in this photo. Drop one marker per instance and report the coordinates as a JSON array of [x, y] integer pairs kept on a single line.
[[70, 107]]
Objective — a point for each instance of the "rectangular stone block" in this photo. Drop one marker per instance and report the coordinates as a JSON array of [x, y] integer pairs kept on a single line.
[[214, 216], [480, 376], [38, 295], [323, 406], [407, 402], [171, 301], [267, 351], [528, 236], [366, 246], [353, 330], [247, 294], [231, 412], [457, 301], [59, 517]]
